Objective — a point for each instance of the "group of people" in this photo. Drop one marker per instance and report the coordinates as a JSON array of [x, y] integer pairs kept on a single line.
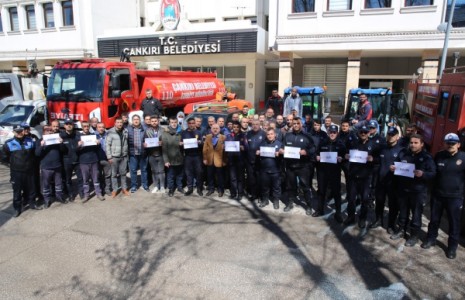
[[261, 157]]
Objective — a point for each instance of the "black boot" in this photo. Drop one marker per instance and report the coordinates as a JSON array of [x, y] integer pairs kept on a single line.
[[289, 206], [189, 191], [171, 193]]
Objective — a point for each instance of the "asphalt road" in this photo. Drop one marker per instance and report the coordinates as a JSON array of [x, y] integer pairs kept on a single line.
[[150, 246]]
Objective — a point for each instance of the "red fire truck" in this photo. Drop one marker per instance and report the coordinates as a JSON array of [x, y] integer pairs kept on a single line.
[[438, 108], [96, 88]]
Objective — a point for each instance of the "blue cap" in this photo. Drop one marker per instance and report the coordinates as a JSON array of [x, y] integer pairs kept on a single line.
[[373, 124], [68, 121], [18, 128], [333, 128], [25, 125], [451, 138], [392, 131], [364, 129]]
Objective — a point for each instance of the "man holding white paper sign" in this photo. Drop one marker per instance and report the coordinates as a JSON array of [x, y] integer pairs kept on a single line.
[[270, 169], [89, 161], [360, 170], [154, 155], [253, 140], [331, 152], [412, 192], [236, 163], [191, 139], [299, 167]]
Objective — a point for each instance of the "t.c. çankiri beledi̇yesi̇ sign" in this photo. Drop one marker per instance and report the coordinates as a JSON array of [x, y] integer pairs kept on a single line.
[[169, 46]]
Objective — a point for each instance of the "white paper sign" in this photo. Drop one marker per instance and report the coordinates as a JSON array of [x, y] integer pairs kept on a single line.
[[232, 146], [357, 156], [267, 152], [328, 157], [152, 142], [89, 140], [190, 143], [51, 139], [404, 169], [291, 152]]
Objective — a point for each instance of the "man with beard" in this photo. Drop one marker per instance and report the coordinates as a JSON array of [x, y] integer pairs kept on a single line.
[[253, 139], [70, 160], [386, 185], [236, 163], [193, 159]]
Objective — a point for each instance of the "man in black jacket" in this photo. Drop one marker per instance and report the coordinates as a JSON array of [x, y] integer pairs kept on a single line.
[[447, 193], [253, 139], [193, 158], [270, 170], [412, 191], [298, 168], [70, 160], [50, 157], [19, 151], [151, 106], [385, 182], [329, 172], [360, 169]]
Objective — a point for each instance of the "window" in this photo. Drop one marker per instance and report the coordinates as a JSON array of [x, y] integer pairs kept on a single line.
[[300, 6], [14, 22], [458, 19], [68, 19], [443, 104], [454, 108], [49, 19], [377, 3], [339, 5], [418, 2], [30, 17], [6, 89]]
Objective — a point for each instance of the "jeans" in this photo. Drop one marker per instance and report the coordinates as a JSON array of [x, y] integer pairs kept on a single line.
[[119, 166], [158, 171], [90, 171], [136, 162], [175, 177], [47, 177]]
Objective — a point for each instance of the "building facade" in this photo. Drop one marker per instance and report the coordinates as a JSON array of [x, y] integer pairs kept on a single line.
[[344, 44], [51, 30]]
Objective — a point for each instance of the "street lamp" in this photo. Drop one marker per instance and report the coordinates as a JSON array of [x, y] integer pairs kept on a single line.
[[446, 38]]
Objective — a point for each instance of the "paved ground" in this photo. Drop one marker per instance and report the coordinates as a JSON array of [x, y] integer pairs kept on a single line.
[[155, 247]]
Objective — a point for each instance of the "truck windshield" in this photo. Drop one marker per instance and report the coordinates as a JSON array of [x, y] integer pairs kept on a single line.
[[377, 103], [13, 115], [312, 105], [76, 85]]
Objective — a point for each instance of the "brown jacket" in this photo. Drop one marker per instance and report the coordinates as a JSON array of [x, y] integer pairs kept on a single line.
[[214, 155]]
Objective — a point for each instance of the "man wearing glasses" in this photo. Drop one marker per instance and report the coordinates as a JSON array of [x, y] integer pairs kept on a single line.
[[360, 169], [447, 193]]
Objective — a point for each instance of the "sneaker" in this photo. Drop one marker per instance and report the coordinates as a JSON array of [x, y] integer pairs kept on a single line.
[[181, 190], [133, 190], [397, 235], [100, 198], [428, 244], [155, 190], [147, 189], [412, 241]]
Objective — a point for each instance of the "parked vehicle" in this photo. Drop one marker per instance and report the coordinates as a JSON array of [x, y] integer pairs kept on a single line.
[[438, 108], [15, 113], [14, 88], [97, 88], [313, 101], [388, 108]]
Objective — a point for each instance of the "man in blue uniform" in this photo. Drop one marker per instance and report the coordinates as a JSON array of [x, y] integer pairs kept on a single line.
[[236, 163], [329, 172], [412, 191], [386, 184], [447, 193], [252, 143], [270, 170], [298, 168], [19, 151], [360, 169]]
